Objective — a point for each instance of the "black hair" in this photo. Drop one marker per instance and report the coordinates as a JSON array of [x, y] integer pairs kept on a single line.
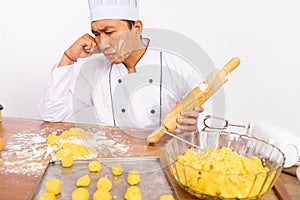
[[130, 23]]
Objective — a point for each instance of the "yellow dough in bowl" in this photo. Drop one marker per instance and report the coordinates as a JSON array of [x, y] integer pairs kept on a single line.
[[80, 194], [83, 181], [104, 184], [222, 172], [102, 195], [95, 166], [117, 169], [166, 197], [47, 196], [53, 186], [133, 177], [133, 193]]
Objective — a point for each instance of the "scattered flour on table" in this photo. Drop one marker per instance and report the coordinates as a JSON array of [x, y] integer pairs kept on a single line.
[[108, 146], [27, 152]]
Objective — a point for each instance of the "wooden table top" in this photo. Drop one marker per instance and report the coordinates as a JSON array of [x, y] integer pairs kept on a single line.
[[26, 155]]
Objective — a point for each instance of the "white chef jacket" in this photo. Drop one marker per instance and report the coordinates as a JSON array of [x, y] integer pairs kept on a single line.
[[115, 97]]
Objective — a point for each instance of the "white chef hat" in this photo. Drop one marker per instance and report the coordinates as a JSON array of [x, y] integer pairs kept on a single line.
[[114, 9]]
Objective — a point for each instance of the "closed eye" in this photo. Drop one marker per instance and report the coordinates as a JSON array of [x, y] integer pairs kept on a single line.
[[109, 32]]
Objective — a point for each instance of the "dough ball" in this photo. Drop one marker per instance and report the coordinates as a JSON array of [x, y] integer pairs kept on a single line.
[[133, 193], [80, 194], [104, 184], [47, 196], [67, 161], [117, 169], [53, 186], [95, 166], [2, 144], [102, 195], [166, 197], [83, 181], [133, 177]]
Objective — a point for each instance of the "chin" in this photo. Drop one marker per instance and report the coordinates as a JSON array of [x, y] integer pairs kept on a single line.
[[117, 60]]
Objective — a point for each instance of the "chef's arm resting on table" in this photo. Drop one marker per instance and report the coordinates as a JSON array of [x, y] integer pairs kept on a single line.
[[57, 102], [188, 120]]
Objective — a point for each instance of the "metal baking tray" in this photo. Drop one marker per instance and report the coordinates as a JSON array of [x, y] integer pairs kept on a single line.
[[154, 180]]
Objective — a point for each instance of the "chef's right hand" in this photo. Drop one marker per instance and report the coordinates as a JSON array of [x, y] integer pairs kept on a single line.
[[81, 48]]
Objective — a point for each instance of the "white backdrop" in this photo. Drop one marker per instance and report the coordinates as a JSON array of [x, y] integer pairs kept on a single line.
[[265, 34]]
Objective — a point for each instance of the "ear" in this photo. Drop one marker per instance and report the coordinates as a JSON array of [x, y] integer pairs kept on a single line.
[[138, 27]]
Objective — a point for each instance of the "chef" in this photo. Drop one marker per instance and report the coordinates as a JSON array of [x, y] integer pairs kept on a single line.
[[115, 77]]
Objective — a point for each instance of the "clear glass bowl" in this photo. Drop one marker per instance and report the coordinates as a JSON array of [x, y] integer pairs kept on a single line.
[[199, 182]]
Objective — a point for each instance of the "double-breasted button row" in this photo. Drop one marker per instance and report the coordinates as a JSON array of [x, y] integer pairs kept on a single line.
[[123, 110]]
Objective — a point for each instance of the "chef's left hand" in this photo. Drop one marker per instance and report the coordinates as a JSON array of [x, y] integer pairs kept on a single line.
[[187, 122]]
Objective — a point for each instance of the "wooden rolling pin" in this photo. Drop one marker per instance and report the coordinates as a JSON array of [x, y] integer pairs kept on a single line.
[[197, 96]]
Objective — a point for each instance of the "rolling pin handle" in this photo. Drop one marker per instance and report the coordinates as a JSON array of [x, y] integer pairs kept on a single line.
[[231, 65]]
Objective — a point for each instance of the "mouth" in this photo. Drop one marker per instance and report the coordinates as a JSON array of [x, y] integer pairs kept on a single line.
[[109, 55]]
